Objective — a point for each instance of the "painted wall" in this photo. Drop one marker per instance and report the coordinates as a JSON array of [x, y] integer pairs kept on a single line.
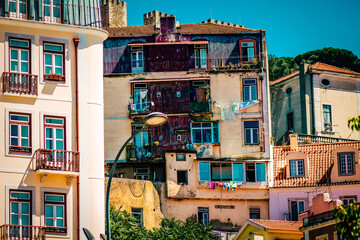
[[17, 171], [254, 233], [279, 197], [129, 193]]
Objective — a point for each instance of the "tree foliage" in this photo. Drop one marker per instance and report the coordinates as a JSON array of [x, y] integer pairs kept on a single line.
[[348, 221], [354, 123], [281, 66], [124, 226]]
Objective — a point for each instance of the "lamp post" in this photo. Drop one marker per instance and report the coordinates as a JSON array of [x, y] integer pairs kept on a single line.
[[152, 120]]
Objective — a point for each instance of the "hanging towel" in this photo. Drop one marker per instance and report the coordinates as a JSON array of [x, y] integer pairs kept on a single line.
[[243, 105], [233, 185], [238, 184], [219, 184], [227, 186], [211, 185]]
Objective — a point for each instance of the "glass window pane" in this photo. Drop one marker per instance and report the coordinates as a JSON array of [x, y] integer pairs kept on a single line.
[[14, 130], [24, 131], [47, 11], [207, 138], [19, 43], [255, 133], [58, 60], [14, 142], [260, 172], [49, 144], [14, 207], [196, 136], [25, 142], [24, 55], [60, 222], [24, 67], [60, 211], [12, 7], [53, 47], [20, 195], [248, 136], [208, 125], [48, 59], [19, 118], [14, 219], [301, 207], [49, 222], [251, 124], [48, 132], [54, 121], [246, 93], [54, 198], [59, 145], [14, 54], [56, 12], [14, 66], [196, 125], [226, 171], [253, 93], [58, 71], [49, 212], [204, 171], [60, 133], [238, 172], [25, 220], [48, 70]]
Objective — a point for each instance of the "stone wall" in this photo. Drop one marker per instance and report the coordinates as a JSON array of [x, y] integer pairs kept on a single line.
[[114, 13]]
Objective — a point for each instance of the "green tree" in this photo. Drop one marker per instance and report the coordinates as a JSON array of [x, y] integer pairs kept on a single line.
[[124, 226], [348, 221], [354, 123], [281, 66]]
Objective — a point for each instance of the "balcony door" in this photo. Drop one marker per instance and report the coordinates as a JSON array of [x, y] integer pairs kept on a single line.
[[141, 100], [18, 8], [55, 140], [52, 10], [137, 62], [141, 142], [19, 60], [200, 58], [20, 209]]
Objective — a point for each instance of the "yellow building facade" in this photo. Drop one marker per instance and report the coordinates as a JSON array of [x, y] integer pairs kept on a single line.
[[51, 147]]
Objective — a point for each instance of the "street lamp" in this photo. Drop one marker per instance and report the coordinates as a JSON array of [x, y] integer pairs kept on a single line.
[[151, 120]]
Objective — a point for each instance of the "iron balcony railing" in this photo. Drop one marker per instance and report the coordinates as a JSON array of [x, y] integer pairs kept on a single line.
[[203, 106], [20, 83], [57, 160], [75, 12], [318, 218], [144, 152], [167, 65], [22, 232]]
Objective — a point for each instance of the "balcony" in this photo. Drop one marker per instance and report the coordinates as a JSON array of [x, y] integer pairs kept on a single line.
[[57, 161], [59, 12], [9, 232], [144, 153], [203, 106], [20, 83], [318, 218]]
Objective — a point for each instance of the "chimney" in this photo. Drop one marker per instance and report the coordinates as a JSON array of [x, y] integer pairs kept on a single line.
[[293, 141], [218, 22], [236, 25], [230, 24], [167, 25], [210, 20], [224, 23]]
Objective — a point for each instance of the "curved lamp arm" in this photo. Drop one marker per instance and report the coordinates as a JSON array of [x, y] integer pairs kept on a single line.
[[108, 232]]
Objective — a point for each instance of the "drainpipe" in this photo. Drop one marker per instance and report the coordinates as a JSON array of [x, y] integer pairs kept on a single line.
[[76, 44]]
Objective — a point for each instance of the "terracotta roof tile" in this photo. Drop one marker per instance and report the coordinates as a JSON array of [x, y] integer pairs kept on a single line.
[[278, 225], [284, 78], [200, 28], [326, 67], [320, 157]]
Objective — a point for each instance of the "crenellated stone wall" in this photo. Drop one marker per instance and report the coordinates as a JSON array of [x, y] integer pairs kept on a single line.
[[114, 13]]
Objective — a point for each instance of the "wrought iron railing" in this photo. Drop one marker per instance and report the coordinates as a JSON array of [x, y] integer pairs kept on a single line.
[[76, 12], [204, 106], [20, 83], [26, 232], [143, 153], [57, 160], [318, 218]]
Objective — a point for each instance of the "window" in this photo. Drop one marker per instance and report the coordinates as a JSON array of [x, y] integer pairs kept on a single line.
[[19, 56], [20, 208], [296, 207], [346, 164], [180, 157], [290, 120], [54, 133], [325, 82], [247, 50], [327, 118], [20, 132], [51, 10], [18, 8], [55, 219], [137, 62], [249, 89], [251, 132], [206, 132], [141, 141], [322, 237], [288, 91], [141, 100], [182, 177], [348, 199], [203, 216], [138, 215], [254, 213], [54, 61], [297, 168], [200, 58], [255, 172]]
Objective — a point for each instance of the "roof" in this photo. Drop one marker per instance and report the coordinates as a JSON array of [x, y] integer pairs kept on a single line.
[[199, 28], [316, 66], [278, 225], [320, 161]]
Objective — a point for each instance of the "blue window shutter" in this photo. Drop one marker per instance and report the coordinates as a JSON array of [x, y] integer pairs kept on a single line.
[[238, 172], [204, 171], [260, 172]]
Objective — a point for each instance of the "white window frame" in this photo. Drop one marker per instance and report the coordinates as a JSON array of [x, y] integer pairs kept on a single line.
[[347, 170], [248, 49], [20, 204], [200, 59], [201, 128], [297, 168], [52, 5], [139, 63], [19, 125], [18, 14]]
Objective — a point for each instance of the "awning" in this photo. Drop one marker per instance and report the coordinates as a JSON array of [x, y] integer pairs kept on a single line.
[[168, 43]]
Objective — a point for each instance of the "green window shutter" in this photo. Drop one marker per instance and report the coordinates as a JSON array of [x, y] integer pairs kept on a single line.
[[204, 171], [238, 172], [260, 172]]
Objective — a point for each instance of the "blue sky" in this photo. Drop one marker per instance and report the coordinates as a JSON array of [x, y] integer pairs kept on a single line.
[[292, 27]]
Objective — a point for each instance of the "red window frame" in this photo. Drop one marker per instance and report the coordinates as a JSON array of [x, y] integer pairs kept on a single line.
[[56, 230], [54, 125], [241, 53], [21, 200], [52, 77], [16, 47], [14, 149]]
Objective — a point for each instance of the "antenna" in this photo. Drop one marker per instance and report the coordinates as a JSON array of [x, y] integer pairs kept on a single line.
[[210, 13]]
